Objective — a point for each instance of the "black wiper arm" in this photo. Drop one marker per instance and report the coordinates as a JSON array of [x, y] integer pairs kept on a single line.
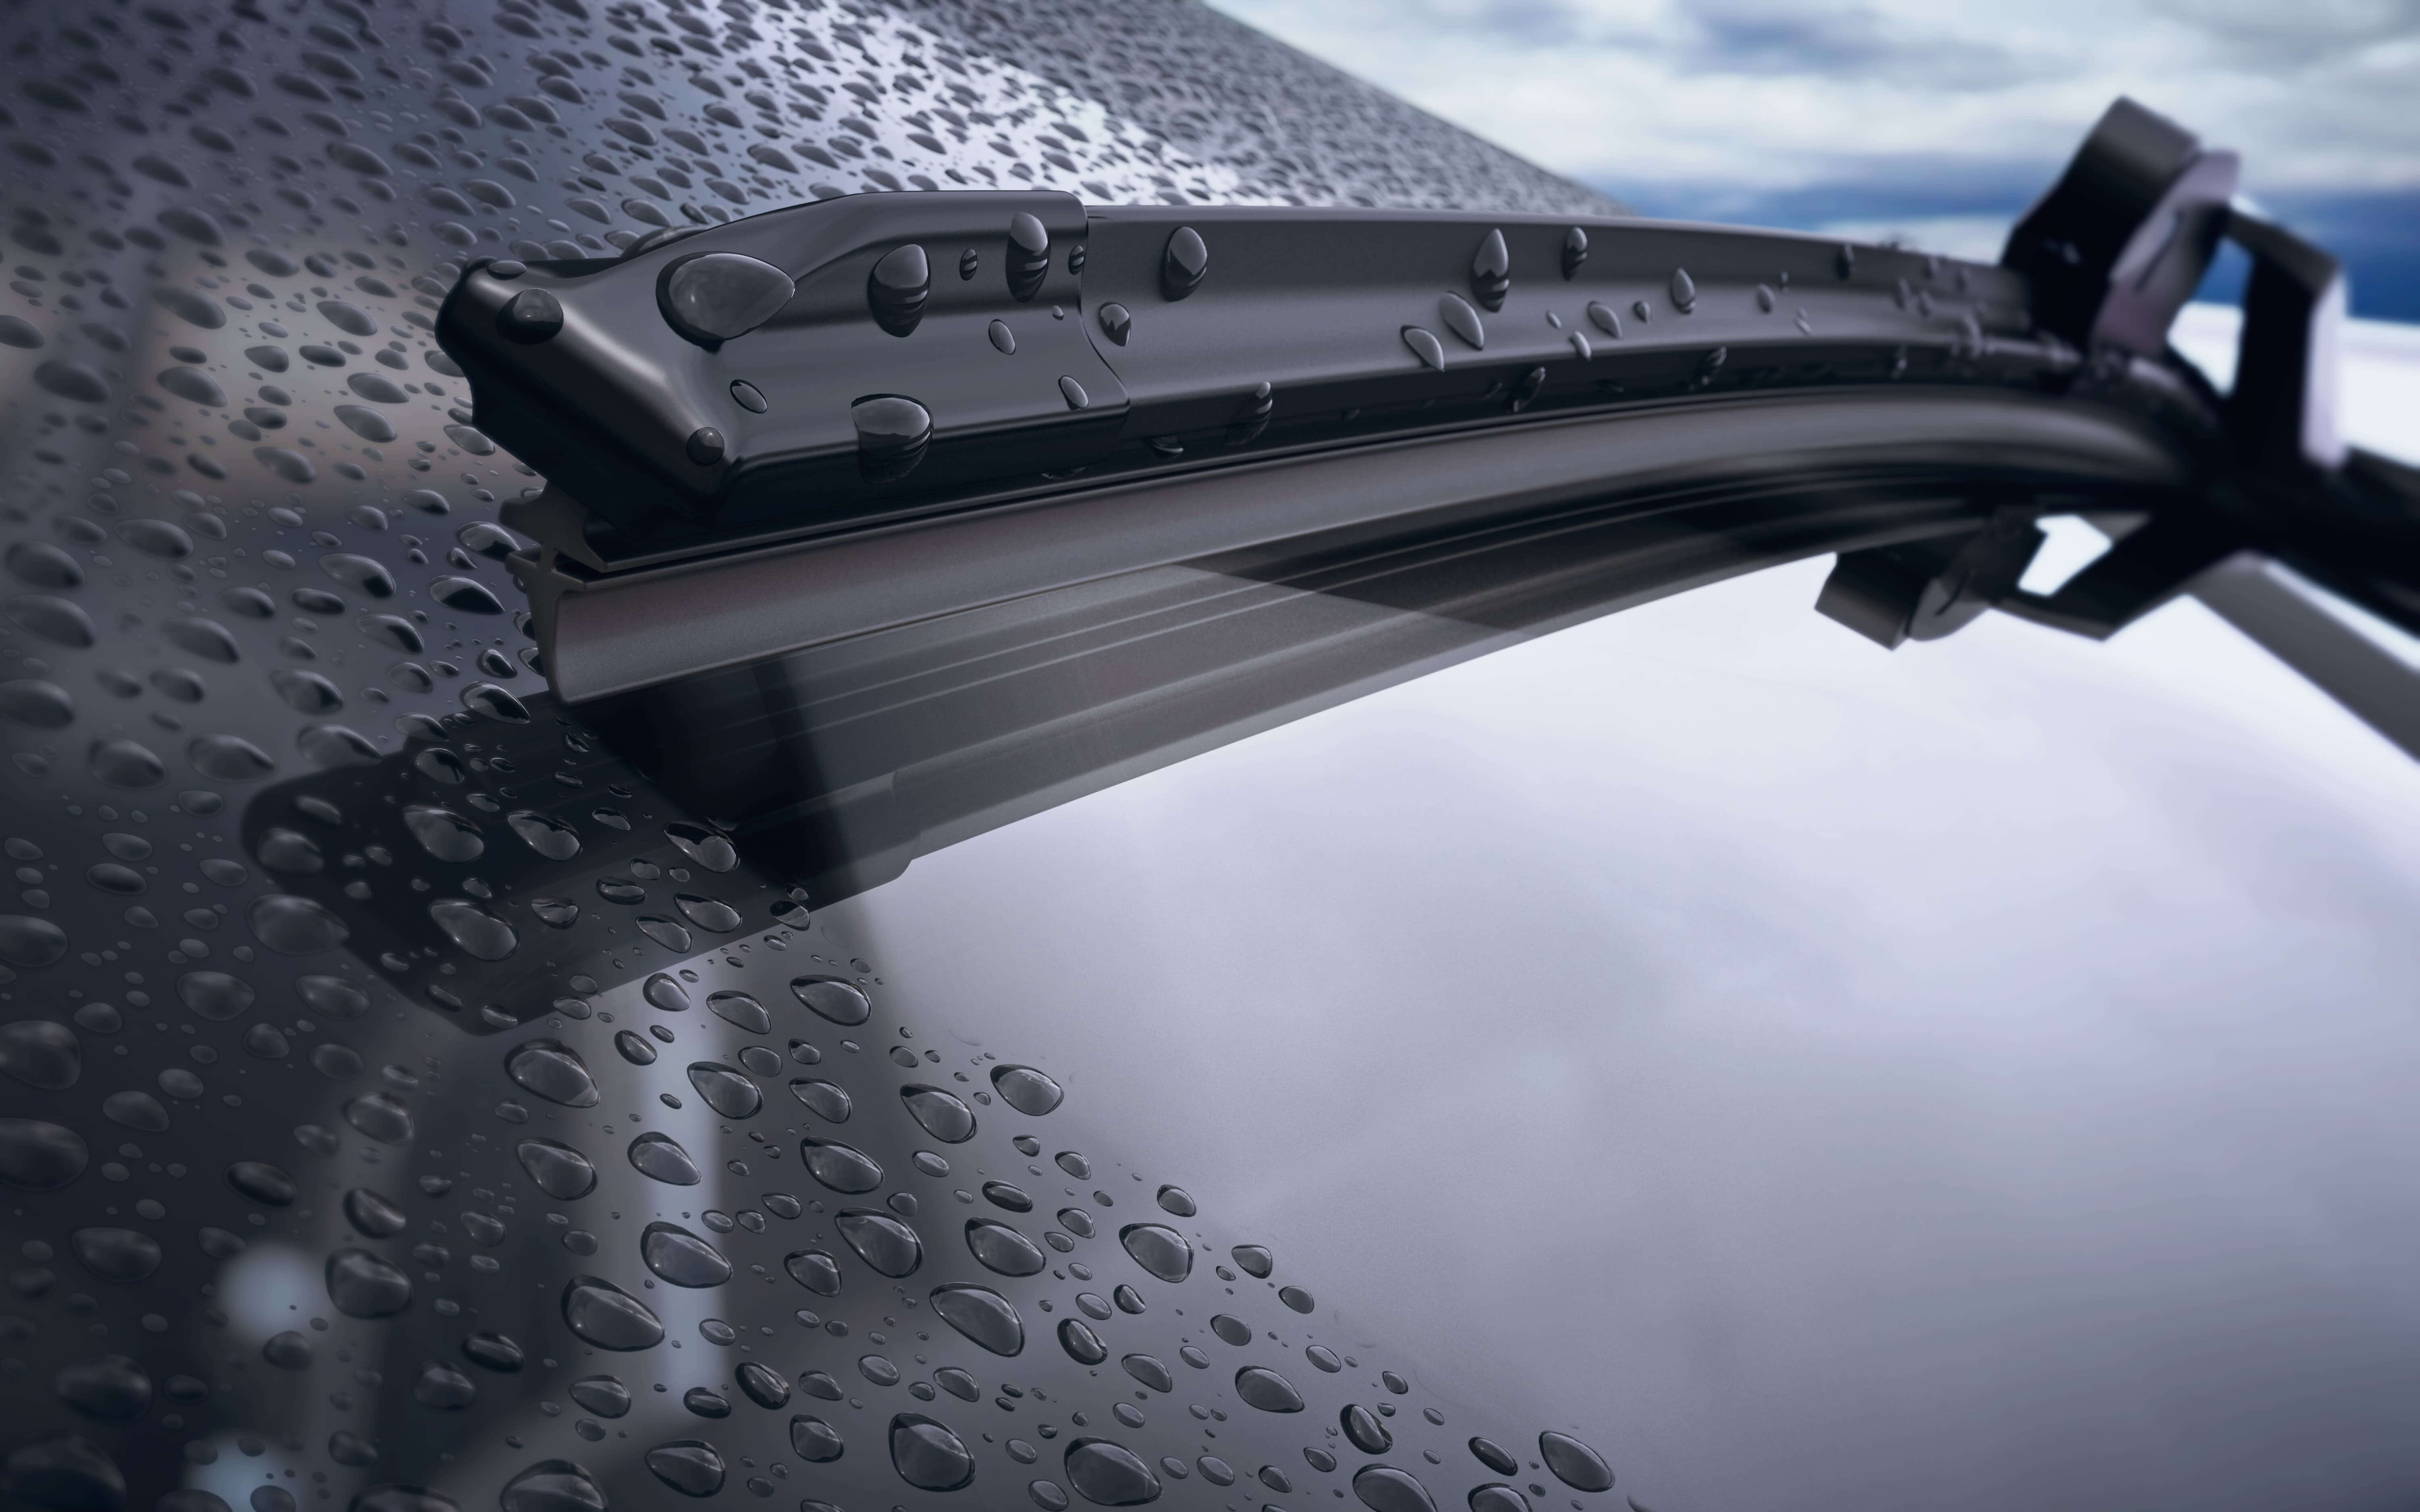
[[901, 400]]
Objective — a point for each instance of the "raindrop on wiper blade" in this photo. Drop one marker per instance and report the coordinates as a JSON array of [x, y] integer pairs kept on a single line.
[[1462, 320], [897, 288], [1491, 272], [718, 295], [1426, 346], [892, 434], [1028, 256], [1117, 322], [1575, 251], [1182, 263]]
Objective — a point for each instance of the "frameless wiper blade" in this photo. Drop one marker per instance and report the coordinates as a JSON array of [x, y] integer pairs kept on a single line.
[[818, 422]]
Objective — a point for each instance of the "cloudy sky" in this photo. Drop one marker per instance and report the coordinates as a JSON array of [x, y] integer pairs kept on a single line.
[[1936, 122]]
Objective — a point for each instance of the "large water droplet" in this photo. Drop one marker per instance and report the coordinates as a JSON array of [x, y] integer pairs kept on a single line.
[[720, 296], [1426, 346], [262, 1183], [442, 833], [604, 1395], [125, 764], [1384, 1488], [120, 1255], [1026, 1089], [892, 434], [609, 1316], [1159, 1249], [68, 1473], [1685, 291], [1255, 1259], [928, 1455], [688, 1466], [1182, 263], [941, 1113], [662, 1157], [882, 1241], [814, 1440], [1258, 1387], [363, 1286], [1575, 251], [295, 926], [827, 1100], [373, 1215], [1110, 1474], [549, 837], [41, 1053], [480, 934], [1003, 1249], [726, 1091], [982, 1315], [1491, 272], [681, 1257], [1027, 262], [553, 1071], [1150, 1370], [840, 1001], [1462, 320], [816, 1270], [552, 1486], [702, 847], [109, 1388], [1575, 1464], [560, 1171], [1117, 322], [1295, 1297], [1365, 1429], [840, 1167], [897, 287]]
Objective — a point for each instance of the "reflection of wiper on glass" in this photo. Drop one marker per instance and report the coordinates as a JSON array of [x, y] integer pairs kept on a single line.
[[833, 418]]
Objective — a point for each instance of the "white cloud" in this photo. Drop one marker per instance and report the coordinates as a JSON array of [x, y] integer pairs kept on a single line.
[[1631, 92]]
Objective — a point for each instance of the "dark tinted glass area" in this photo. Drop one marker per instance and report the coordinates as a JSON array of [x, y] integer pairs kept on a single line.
[[1212, 1036]]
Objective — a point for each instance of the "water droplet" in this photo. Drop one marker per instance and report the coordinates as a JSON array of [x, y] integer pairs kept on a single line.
[[840, 1167], [608, 1317], [662, 1157], [363, 1286], [262, 1183], [1426, 346], [549, 837], [1003, 1249], [1575, 1464], [1575, 249], [763, 1387], [120, 1255], [897, 287], [665, 991], [68, 1473], [704, 446], [442, 833], [1073, 393], [1028, 256], [814, 1440], [1109, 1474], [740, 1011], [749, 396], [831, 998], [681, 1257], [1026, 1089], [1231, 1329], [560, 1171], [816, 1270], [295, 926], [287, 1351], [1685, 291], [729, 1093], [1264, 1388], [552, 1486], [1182, 263], [1148, 1369], [124, 764], [827, 1100], [1117, 322], [1384, 1488], [479, 933], [940, 1113], [553, 1071], [882, 1241], [443, 1388], [688, 1466], [1175, 1199], [1298, 1299], [707, 913], [1491, 272], [1159, 1249], [720, 296], [703, 845], [109, 1388], [135, 1110], [1462, 320], [41, 1053], [1366, 1430], [601, 1395], [892, 434], [372, 1214], [531, 316]]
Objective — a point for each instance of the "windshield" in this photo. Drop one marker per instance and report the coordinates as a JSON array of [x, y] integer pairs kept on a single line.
[[1514, 1014]]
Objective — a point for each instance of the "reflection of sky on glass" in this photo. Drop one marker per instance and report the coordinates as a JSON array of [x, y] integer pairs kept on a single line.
[[1881, 118], [1850, 1078]]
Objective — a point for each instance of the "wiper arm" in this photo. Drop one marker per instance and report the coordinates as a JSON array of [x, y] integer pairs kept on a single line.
[[809, 424]]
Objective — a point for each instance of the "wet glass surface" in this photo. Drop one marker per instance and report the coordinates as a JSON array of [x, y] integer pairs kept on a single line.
[[1697, 1050]]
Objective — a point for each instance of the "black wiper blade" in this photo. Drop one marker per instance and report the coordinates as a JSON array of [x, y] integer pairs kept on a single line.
[[815, 423]]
